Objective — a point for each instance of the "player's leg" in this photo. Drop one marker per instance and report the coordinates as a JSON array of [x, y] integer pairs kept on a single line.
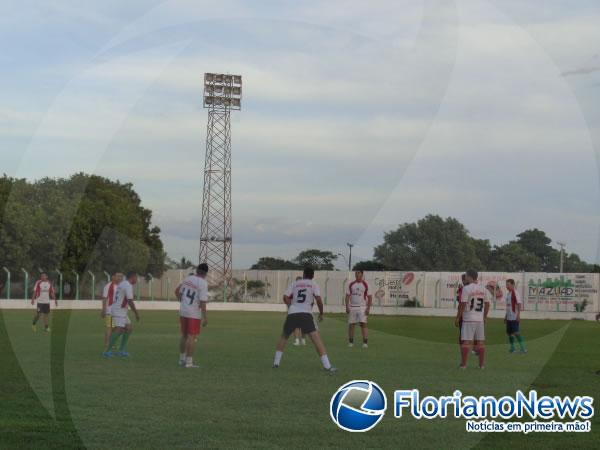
[[518, 337], [192, 331], [117, 331], [182, 339], [107, 329], [297, 336], [45, 320], [480, 346], [288, 328], [36, 317], [365, 334], [128, 329], [511, 336], [351, 334], [466, 335], [315, 337], [480, 343]]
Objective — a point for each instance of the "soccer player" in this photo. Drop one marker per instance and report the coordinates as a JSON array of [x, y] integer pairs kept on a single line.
[[43, 291], [512, 318], [358, 306], [473, 311], [193, 295], [121, 324], [463, 279], [300, 297], [299, 337], [108, 296]]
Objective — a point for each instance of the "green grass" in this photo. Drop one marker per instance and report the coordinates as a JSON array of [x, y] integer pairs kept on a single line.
[[235, 400]]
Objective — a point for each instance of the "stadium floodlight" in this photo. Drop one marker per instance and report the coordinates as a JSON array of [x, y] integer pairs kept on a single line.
[[222, 93]]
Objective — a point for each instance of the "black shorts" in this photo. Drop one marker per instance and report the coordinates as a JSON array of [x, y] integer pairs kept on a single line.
[[512, 326], [43, 308], [304, 321]]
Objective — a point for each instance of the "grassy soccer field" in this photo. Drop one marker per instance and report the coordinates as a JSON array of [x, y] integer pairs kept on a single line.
[[236, 400]]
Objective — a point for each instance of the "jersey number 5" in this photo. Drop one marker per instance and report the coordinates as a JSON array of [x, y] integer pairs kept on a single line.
[[479, 306], [301, 295]]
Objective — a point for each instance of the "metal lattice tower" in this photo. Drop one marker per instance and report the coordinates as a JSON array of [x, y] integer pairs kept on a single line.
[[222, 93]]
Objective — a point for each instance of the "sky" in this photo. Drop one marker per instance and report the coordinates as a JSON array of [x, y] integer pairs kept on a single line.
[[356, 116]]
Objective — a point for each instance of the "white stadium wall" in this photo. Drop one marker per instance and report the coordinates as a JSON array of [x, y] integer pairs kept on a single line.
[[545, 295]]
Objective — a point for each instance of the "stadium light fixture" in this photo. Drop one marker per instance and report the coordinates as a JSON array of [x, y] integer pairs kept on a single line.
[[222, 91]]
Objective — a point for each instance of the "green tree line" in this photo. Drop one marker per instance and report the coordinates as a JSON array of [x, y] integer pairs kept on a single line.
[[84, 222], [437, 244]]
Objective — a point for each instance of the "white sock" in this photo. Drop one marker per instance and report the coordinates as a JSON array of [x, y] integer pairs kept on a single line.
[[325, 362], [182, 357], [189, 361], [278, 356], [297, 341]]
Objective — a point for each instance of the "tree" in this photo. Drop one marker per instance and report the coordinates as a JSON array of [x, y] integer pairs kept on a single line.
[[81, 223], [369, 266], [317, 259], [537, 243], [270, 263], [432, 243], [512, 257]]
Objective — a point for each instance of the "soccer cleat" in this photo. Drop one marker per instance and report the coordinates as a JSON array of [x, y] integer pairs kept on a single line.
[[303, 341], [365, 345], [462, 367], [181, 363], [192, 366], [512, 350], [47, 330], [474, 352], [524, 350], [481, 367], [108, 354], [123, 354], [275, 366], [331, 370], [34, 328], [350, 344], [296, 343]]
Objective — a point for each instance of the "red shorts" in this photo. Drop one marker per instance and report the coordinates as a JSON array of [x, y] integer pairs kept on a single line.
[[189, 326]]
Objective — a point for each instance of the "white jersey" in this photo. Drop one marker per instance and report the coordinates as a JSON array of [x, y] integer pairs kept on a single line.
[[358, 292], [42, 291], [192, 291], [475, 295], [303, 293], [511, 309], [124, 292], [108, 293]]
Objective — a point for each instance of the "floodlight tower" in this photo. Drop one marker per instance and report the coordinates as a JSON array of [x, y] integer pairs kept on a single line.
[[222, 94]]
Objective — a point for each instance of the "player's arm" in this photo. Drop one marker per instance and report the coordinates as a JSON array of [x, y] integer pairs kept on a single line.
[[133, 308], [204, 316], [488, 303], [320, 306], [34, 294], [347, 301], [287, 295], [178, 293], [369, 303], [53, 296], [461, 309]]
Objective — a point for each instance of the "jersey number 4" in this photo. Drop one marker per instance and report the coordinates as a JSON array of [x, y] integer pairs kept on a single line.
[[301, 296], [479, 306], [191, 295]]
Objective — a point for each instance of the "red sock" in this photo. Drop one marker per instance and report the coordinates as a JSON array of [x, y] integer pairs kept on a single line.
[[464, 354], [481, 352]]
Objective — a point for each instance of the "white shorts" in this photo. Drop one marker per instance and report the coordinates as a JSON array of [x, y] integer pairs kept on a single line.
[[472, 331], [357, 315], [120, 322]]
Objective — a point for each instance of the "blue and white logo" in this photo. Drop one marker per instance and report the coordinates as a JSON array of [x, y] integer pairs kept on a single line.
[[358, 406]]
